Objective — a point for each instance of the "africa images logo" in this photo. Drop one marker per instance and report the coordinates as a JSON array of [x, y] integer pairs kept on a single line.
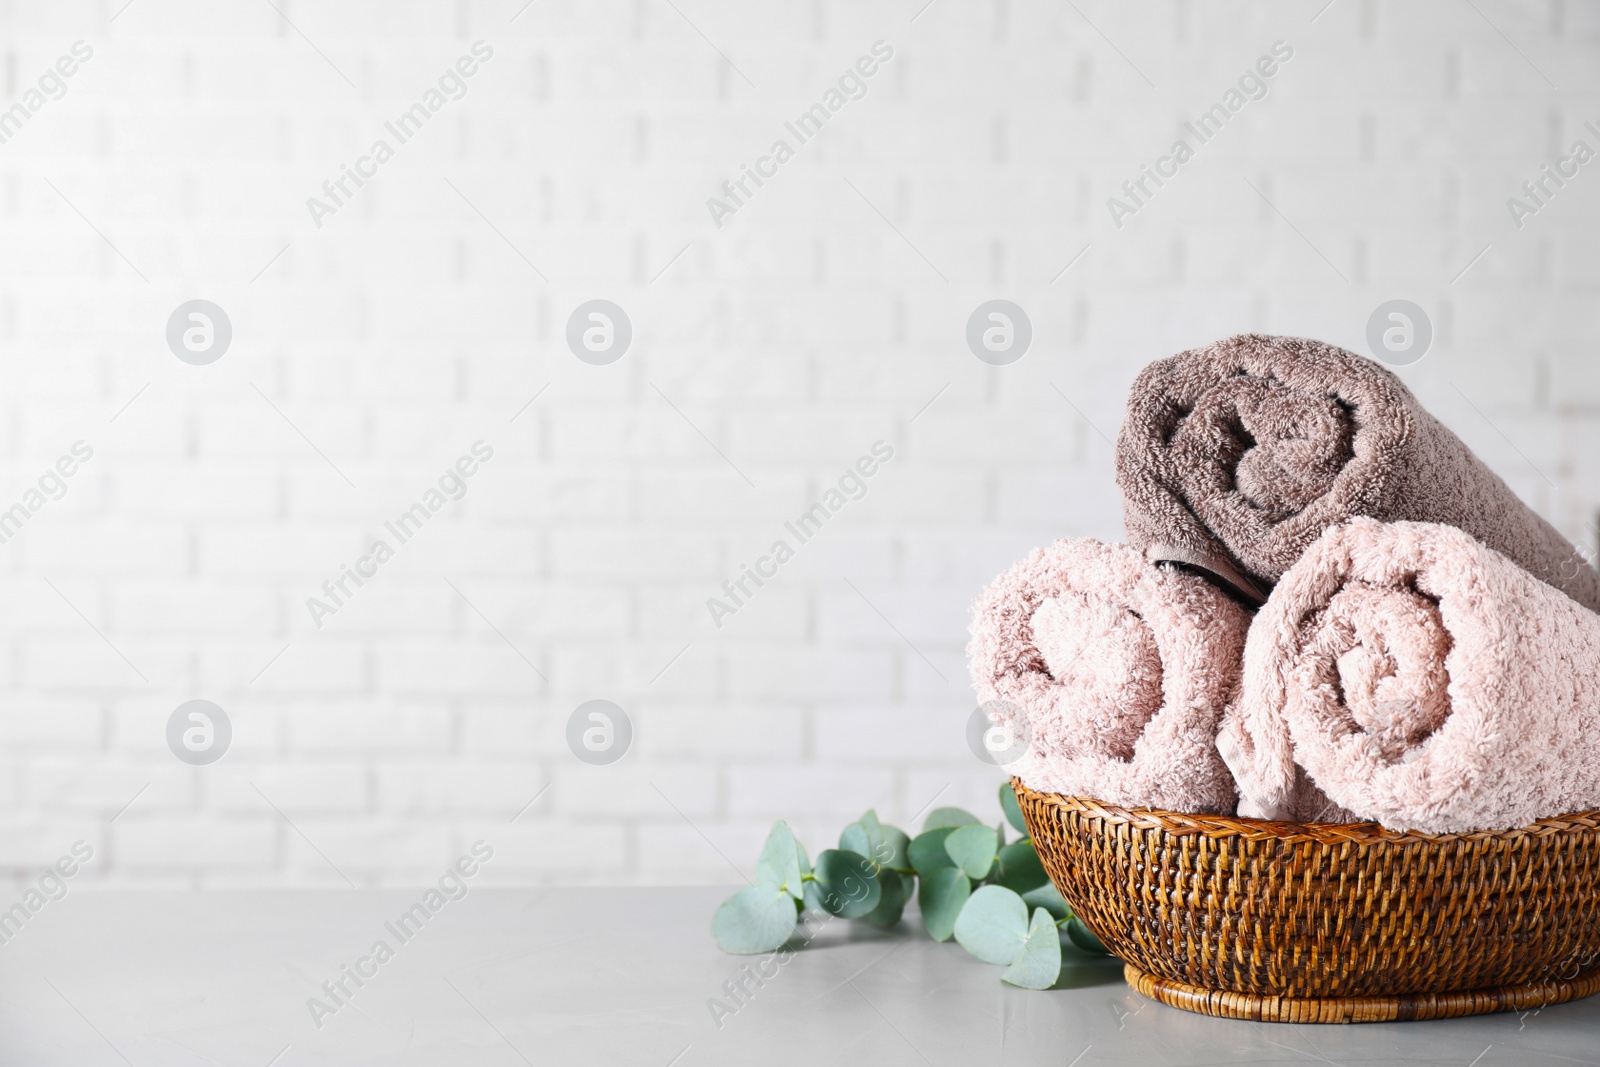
[[851, 85], [340, 990], [1252, 85], [852, 486], [452, 483], [52, 85], [404, 127]]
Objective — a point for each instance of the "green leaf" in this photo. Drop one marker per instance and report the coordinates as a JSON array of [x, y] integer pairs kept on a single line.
[[888, 843], [1081, 936], [948, 817], [893, 850], [1020, 869], [941, 897], [973, 849], [758, 918], [927, 852], [1050, 899], [993, 925], [883, 845], [779, 863], [849, 883], [1009, 805], [896, 891], [1039, 964]]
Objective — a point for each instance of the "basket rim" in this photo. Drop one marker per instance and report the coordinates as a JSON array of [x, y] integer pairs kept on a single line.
[[1219, 826]]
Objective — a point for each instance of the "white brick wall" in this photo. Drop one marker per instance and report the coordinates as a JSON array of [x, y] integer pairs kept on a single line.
[[805, 328]]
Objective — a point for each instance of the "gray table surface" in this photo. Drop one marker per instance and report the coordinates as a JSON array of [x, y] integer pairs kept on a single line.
[[616, 976]]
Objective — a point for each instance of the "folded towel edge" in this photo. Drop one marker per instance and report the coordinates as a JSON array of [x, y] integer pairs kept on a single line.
[[1217, 568]]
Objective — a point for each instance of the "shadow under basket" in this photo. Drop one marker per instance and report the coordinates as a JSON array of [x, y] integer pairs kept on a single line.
[[1329, 923]]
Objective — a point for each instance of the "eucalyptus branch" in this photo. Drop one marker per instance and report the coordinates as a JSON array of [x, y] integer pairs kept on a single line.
[[970, 884]]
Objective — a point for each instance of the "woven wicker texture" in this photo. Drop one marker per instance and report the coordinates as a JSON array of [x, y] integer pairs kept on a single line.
[[1396, 1008], [1202, 906]]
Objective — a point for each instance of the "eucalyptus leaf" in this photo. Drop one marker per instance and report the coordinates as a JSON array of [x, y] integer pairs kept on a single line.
[[758, 918], [1082, 937], [894, 850], [849, 883], [1020, 869], [870, 822], [1009, 805], [853, 838], [941, 898], [814, 897], [779, 862], [884, 845], [1039, 964], [973, 849], [1050, 899], [890, 848], [948, 817], [993, 925], [927, 852], [896, 891]]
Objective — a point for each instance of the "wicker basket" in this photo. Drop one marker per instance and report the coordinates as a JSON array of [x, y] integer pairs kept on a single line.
[[1320, 922]]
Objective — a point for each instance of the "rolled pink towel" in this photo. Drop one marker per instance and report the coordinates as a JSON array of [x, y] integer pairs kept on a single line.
[[1234, 457], [1405, 673], [1117, 669]]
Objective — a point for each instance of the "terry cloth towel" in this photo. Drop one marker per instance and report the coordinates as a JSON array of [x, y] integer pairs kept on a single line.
[[1421, 680], [1233, 458], [1115, 670]]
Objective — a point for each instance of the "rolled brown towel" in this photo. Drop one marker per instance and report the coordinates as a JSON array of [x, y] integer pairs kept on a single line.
[[1235, 457]]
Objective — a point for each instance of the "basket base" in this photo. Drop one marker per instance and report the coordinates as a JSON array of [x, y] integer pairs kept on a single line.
[[1261, 1008]]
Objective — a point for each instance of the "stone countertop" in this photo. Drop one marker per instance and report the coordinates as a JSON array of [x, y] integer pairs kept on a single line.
[[614, 976]]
